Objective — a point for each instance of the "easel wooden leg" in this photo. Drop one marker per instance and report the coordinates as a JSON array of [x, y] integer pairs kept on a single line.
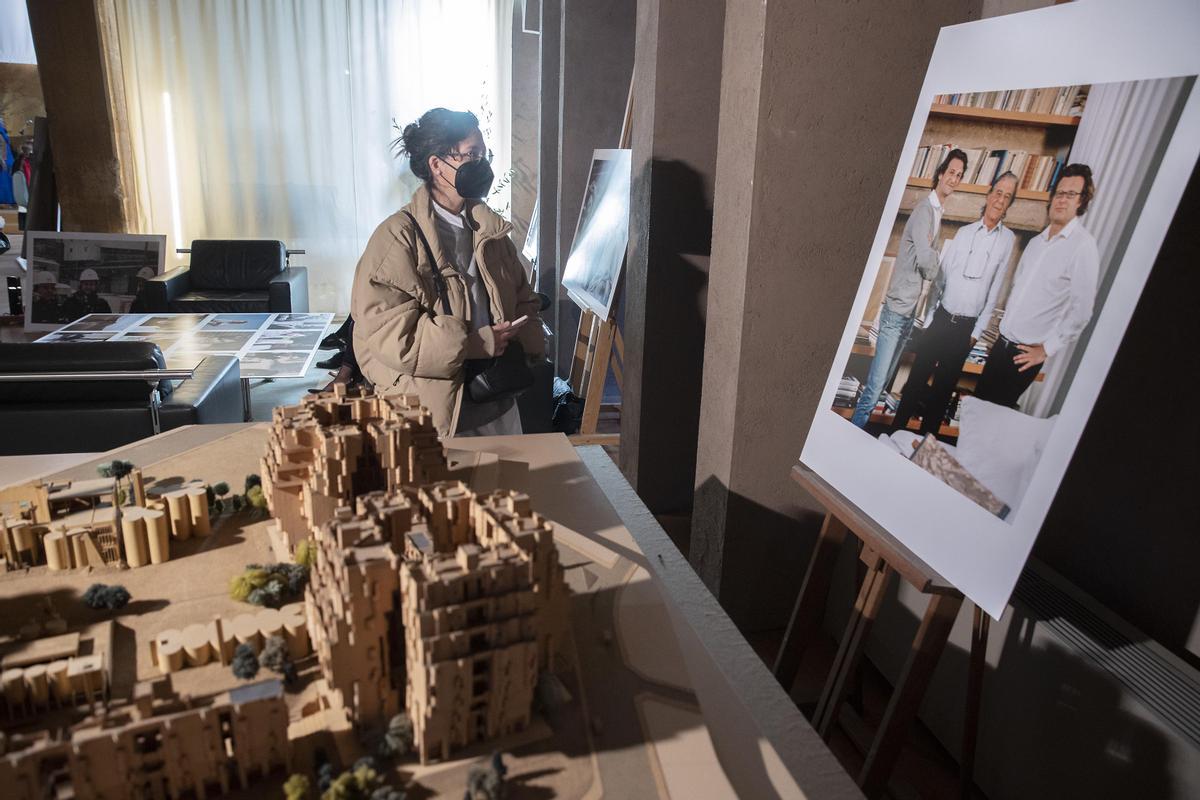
[[584, 341], [979, 638], [596, 377], [866, 607], [810, 603], [910, 688]]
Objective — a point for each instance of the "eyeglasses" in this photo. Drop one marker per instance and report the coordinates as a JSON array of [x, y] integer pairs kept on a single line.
[[471, 155], [1069, 195]]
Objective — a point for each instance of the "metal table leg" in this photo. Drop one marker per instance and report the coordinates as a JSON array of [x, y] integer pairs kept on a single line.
[[246, 399]]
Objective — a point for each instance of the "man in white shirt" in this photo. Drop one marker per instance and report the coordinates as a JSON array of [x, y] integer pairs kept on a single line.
[[1052, 297], [967, 286], [916, 262]]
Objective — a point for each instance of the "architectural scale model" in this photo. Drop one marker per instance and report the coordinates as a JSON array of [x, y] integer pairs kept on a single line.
[[424, 596], [74, 525], [158, 745]]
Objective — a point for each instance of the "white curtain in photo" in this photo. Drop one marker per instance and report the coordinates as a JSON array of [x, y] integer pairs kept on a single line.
[[1122, 136], [273, 119]]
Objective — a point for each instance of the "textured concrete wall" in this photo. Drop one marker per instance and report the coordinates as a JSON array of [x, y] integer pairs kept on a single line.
[[20, 97], [816, 99], [596, 62], [526, 100], [676, 107], [79, 65]]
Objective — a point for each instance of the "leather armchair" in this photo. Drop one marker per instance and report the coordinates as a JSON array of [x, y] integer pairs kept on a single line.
[[91, 416], [235, 276]]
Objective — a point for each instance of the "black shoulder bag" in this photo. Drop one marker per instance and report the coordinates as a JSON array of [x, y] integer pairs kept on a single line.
[[487, 380]]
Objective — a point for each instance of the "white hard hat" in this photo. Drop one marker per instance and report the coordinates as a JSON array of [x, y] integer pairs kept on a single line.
[[145, 272], [89, 275], [43, 277]]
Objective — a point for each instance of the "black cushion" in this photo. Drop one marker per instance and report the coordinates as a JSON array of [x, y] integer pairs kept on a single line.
[[213, 395], [234, 264], [208, 301], [78, 357]]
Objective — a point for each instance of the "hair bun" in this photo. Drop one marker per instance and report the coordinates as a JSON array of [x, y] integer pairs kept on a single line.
[[410, 138]]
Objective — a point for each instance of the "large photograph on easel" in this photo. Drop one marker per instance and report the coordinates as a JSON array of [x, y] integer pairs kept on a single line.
[[1024, 219], [593, 269]]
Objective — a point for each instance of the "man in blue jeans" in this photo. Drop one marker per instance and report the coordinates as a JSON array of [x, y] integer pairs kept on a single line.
[[916, 262]]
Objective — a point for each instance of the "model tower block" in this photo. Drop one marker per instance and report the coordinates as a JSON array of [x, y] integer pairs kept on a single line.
[[479, 621], [338, 445], [439, 601], [352, 598]]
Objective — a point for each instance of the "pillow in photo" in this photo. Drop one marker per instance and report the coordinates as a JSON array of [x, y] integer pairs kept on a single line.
[[1000, 446]]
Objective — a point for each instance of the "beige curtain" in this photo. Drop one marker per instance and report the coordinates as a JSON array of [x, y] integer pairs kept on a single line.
[[272, 119]]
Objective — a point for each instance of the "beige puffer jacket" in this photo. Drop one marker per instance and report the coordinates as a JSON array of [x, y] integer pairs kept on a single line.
[[402, 340]]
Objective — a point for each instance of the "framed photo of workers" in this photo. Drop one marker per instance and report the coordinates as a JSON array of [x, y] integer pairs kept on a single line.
[[593, 269], [71, 275], [1026, 212]]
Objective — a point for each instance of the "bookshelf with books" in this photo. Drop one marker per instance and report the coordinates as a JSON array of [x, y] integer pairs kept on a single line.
[[1026, 131]]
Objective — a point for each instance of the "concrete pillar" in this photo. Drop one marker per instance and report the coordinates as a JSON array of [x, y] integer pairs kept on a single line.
[[549, 118], [526, 103], [816, 99], [79, 63], [586, 63], [676, 103]]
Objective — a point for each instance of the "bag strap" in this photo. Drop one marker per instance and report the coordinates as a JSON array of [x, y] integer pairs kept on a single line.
[[438, 280]]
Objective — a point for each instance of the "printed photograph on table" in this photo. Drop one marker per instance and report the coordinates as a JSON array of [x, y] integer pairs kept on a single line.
[[71, 275], [171, 322], [593, 268], [215, 341], [236, 322], [78, 336], [256, 362], [1021, 227]]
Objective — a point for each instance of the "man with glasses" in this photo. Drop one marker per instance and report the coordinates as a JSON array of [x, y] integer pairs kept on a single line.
[[965, 293], [916, 262], [1052, 296]]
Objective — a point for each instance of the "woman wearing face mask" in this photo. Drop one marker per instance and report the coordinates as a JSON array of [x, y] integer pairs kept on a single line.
[[440, 283]]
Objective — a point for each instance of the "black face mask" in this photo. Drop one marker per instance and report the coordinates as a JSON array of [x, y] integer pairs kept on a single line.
[[473, 180]]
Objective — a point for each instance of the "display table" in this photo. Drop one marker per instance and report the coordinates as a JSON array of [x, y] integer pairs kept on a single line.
[[267, 346], [667, 698]]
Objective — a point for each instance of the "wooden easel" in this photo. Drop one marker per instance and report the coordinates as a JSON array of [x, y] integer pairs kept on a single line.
[[883, 556], [599, 345]]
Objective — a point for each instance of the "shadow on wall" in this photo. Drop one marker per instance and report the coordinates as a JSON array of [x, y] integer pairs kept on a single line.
[[1053, 722], [751, 557], [680, 242]]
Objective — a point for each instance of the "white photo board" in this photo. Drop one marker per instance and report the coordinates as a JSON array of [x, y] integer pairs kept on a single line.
[[1127, 71]]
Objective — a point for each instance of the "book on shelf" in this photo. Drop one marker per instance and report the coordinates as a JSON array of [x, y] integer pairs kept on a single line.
[[1061, 101], [1035, 173]]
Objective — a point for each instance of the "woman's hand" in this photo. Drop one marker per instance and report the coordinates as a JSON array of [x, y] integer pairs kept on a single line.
[[506, 332]]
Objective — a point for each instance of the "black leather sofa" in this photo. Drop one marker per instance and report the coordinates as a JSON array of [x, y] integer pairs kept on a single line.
[[230, 276], [91, 416]]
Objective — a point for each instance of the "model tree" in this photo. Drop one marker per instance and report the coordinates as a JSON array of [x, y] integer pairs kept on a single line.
[[296, 787], [254, 497], [99, 595], [245, 662], [306, 553], [275, 657], [486, 781], [270, 585], [117, 469], [397, 740]]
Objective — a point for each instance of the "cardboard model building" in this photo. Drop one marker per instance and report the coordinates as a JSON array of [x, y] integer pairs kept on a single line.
[[158, 745], [77, 524], [423, 596]]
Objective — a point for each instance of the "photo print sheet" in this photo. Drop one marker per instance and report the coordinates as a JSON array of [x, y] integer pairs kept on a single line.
[[266, 345], [1026, 212]]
